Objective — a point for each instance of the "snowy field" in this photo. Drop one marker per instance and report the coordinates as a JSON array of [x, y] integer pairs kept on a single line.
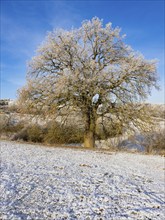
[[48, 183]]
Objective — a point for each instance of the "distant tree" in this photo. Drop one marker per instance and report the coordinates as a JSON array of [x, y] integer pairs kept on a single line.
[[93, 70]]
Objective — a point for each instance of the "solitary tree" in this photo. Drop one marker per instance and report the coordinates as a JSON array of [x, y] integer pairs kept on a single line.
[[91, 69]]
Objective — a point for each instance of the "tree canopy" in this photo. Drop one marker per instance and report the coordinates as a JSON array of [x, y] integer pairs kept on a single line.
[[92, 69]]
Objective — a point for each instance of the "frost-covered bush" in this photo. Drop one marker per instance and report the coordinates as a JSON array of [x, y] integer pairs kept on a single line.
[[57, 133], [33, 133], [155, 142], [21, 135], [109, 130], [52, 134], [8, 126]]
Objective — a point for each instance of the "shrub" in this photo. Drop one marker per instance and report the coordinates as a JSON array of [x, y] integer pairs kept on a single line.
[[155, 142], [57, 133], [21, 135], [5, 123], [7, 126], [33, 133], [13, 108], [54, 133], [108, 131]]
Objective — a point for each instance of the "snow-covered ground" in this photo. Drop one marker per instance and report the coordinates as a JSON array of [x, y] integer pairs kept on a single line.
[[48, 183]]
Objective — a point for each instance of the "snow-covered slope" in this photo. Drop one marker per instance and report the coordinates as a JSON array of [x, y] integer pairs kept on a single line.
[[48, 183]]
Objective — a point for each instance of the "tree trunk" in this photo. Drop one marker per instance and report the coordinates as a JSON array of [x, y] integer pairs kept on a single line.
[[89, 139], [89, 136]]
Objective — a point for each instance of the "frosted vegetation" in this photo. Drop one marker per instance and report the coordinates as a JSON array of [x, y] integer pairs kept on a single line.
[[56, 183], [91, 70]]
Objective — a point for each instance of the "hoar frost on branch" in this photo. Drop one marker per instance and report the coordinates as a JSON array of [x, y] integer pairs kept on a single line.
[[86, 68]]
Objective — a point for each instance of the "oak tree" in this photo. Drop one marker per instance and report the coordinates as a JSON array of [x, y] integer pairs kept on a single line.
[[91, 69]]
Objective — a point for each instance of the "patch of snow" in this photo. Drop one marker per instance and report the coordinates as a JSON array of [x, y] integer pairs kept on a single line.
[[40, 182]]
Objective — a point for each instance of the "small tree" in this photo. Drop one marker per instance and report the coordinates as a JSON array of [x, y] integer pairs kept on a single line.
[[89, 68]]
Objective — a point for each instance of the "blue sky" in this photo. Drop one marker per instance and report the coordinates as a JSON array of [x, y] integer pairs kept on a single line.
[[24, 25]]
